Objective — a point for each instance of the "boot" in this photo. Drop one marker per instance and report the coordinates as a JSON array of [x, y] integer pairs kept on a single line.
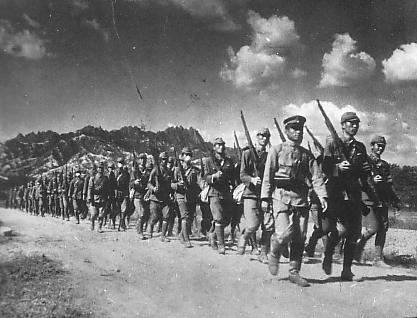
[[241, 244], [213, 240], [100, 225], [331, 242], [360, 246], [220, 237], [347, 275], [140, 229], [151, 226], [275, 255], [233, 234], [265, 243], [312, 242], [254, 245], [294, 275], [77, 218], [379, 258], [164, 232], [185, 233], [170, 228]]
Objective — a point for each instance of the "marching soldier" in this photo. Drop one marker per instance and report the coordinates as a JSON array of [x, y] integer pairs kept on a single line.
[[138, 183], [63, 195], [219, 174], [185, 185], [75, 193], [346, 167], [111, 203], [251, 196], [378, 216], [160, 201], [122, 193], [98, 192], [289, 171], [53, 201]]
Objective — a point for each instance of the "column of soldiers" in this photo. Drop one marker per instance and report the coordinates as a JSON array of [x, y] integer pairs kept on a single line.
[[282, 186]]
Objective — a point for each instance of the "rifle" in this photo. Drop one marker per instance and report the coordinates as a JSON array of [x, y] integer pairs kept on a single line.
[[316, 142], [281, 134], [250, 143], [337, 140], [237, 147]]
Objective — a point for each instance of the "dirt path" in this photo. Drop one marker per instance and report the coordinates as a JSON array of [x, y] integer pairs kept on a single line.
[[126, 277]]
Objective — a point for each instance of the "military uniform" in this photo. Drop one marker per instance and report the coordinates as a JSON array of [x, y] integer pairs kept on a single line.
[[75, 193], [160, 201], [250, 168], [138, 183], [378, 216], [63, 197], [290, 170], [185, 185], [40, 195], [122, 194], [344, 215], [98, 192], [219, 194], [53, 197]]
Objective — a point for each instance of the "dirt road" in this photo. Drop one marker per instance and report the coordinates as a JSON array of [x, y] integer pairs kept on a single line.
[[126, 277]]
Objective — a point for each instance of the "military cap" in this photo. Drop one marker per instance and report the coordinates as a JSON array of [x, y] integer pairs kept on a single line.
[[295, 120], [112, 165], [378, 140], [121, 160], [218, 141], [264, 132], [187, 150], [349, 116], [142, 156], [163, 155]]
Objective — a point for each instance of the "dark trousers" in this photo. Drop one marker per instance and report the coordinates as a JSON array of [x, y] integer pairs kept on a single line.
[[377, 224]]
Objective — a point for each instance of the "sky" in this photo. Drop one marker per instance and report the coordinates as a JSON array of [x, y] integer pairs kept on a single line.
[[65, 64]]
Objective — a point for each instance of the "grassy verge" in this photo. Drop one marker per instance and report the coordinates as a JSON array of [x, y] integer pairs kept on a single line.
[[36, 286]]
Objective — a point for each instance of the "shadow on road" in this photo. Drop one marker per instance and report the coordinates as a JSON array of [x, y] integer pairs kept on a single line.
[[388, 278]]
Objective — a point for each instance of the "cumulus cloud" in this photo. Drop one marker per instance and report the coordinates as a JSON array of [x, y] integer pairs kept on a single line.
[[402, 145], [261, 63], [343, 66], [21, 44], [402, 65], [95, 25]]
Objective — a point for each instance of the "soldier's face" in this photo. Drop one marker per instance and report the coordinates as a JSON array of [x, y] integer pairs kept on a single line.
[[263, 140], [295, 133], [377, 149], [219, 148], [351, 127]]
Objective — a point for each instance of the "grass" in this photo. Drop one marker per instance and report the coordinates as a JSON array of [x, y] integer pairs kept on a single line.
[[36, 286]]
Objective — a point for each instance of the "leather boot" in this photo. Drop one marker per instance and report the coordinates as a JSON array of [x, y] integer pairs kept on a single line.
[[294, 275], [312, 242], [213, 240], [331, 242], [241, 244], [220, 237], [184, 231], [379, 258], [360, 246], [347, 275], [164, 232], [275, 255]]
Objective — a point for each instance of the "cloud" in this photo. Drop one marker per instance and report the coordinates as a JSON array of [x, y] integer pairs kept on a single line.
[[402, 65], [214, 12], [260, 64], [402, 145], [80, 4], [343, 67], [95, 25], [31, 22], [21, 44]]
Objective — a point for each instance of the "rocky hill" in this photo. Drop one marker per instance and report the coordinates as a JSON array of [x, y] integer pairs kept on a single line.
[[32, 154]]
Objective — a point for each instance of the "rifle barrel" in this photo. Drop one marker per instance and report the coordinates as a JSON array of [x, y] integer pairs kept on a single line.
[[281, 134]]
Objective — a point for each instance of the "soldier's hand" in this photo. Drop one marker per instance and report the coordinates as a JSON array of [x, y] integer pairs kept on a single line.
[[344, 165], [265, 206], [324, 205], [255, 181], [377, 178]]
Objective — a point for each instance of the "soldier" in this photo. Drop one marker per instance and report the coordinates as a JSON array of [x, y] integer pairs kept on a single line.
[[122, 193], [41, 198], [138, 183], [175, 211], [111, 203], [346, 166], [87, 178], [26, 196], [219, 174], [20, 197], [75, 193], [98, 192], [160, 202], [13, 199], [185, 185], [378, 216], [63, 195], [251, 196], [289, 171], [53, 197]]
